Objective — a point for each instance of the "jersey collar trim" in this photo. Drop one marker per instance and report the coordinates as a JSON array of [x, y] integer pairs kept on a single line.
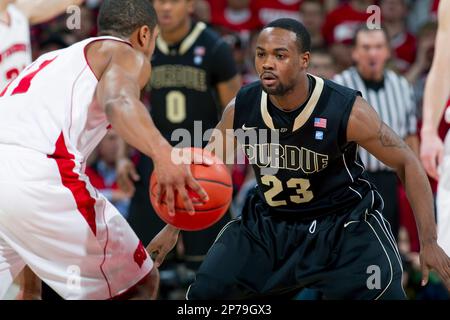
[[186, 44], [301, 119]]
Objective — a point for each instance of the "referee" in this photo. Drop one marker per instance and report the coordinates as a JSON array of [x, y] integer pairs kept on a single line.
[[393, 99]]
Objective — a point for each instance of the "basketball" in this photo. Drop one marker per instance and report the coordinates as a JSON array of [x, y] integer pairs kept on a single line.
[[215, 180]]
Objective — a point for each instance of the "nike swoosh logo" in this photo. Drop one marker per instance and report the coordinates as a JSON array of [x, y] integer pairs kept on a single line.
[[247, 128]]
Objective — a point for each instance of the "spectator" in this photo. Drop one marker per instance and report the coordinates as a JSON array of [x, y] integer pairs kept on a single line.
[[339, 29], [233, 15], [202, 11], [421, 12], [330, 5], [403, 43], [321, 64], [418, 71], [269, 10], [392, 97], [312, 14]]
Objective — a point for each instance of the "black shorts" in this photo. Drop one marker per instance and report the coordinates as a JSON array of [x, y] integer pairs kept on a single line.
[[351, 255]]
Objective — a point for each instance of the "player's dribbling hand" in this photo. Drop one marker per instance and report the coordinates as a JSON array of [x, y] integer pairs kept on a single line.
[[173, 173], [433, 257], [162, 244], [126, 175], [431, 153]]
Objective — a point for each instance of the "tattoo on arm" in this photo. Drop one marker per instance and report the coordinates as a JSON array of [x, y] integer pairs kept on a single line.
[[389, 138]]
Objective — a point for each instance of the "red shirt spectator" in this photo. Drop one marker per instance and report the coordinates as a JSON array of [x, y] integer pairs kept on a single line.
[[341, 23], [269, 10], [236, 18], [404, 46]]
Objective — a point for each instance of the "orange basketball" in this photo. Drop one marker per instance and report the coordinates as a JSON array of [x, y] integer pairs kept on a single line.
[[215, 180]]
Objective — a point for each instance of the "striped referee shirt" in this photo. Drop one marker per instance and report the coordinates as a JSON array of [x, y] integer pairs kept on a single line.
[[394, 102]]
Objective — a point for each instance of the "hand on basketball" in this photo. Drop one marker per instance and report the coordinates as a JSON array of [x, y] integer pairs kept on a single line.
[[174, 176], [431, 153], [433, 257], [126, 175]]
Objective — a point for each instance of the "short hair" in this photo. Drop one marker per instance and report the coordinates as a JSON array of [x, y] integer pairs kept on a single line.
[[303, 38], [122, 17], [365, 28]]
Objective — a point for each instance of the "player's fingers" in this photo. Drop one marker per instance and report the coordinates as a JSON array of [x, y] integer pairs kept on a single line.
[[197, 188], [170, 201], [187, 202], [158, 193], [425, 274]]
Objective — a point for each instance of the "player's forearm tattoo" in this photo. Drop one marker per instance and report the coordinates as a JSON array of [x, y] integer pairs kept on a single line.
[[389, 138]]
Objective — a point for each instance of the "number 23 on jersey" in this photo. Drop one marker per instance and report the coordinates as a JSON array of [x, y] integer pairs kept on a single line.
[[301, 187]]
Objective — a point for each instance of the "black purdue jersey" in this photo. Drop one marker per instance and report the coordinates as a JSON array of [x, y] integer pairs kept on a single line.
[[184, 79], [302, 160]]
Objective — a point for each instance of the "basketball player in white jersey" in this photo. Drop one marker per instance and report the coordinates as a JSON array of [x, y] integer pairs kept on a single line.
[[16, 16], [51, 117], [434, 153]]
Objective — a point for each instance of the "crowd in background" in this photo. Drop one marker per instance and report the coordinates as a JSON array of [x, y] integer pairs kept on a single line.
[[410, 25]]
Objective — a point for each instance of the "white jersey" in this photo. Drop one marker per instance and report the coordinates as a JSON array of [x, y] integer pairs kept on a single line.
[[51, 217], [15, 46], [50, 104]]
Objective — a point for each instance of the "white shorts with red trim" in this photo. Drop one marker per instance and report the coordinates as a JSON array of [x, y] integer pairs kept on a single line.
[[54, 221]]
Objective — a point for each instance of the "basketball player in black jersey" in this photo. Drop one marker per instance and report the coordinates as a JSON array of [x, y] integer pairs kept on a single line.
[[194, 77], [314, 219]]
